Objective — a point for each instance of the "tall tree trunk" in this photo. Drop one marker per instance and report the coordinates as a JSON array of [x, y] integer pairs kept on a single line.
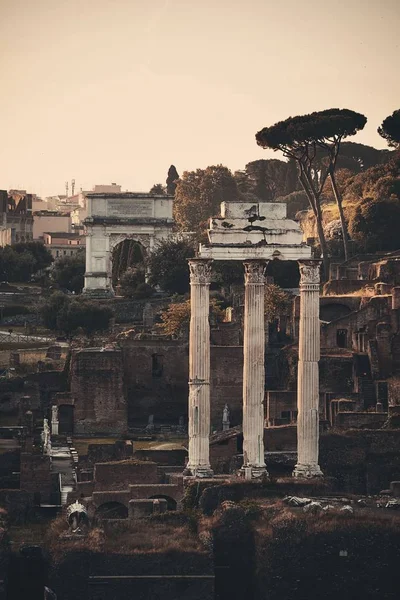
[[338, 199], [315, 207]]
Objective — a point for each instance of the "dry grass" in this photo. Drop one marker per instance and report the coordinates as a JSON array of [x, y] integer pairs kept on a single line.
[[144, 536]]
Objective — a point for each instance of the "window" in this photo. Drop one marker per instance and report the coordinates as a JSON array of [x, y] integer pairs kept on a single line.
[[57, 253], [341, 338], [65, 252]]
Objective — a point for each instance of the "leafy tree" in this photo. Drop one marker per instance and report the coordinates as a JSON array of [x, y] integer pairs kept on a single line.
[[176, 317], [375, 224], [265, 179], [371, 183], [132, 284], [20, 261], [360, 157], [300, 138], [172, 180], [199, 194], [158, 189], [83, 314], [390, 129], [68, 272], [61, 313], [277, 302], [52, 308], [168, 265], [38, 250]]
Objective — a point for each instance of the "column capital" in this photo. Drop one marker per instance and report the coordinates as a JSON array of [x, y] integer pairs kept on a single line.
[[310, 271], [200, 270], [254, 271]]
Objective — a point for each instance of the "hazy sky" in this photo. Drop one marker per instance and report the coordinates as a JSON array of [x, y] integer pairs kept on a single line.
[[117, 90]]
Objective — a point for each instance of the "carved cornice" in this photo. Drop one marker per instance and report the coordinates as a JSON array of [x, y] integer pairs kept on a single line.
[[254, 271], [200, 271], [310, 272]]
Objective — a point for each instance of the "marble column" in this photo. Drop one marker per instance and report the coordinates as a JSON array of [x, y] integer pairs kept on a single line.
[[307, 378], [253, 369], [199, 369]]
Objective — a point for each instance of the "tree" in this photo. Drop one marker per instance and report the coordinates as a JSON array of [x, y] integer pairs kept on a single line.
[[158, 189], [84, 314], [169, 267], [265, 179], [38, 250], [61, 313], [176, 317], [172, 180], [390, 129], [52, 308], [277, 302], [300, 138], [68, 272], [375, 224], [20, 261], [199, 194], [132, 284]]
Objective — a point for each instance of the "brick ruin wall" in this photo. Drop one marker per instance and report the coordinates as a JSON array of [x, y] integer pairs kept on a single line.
[[96, 381]]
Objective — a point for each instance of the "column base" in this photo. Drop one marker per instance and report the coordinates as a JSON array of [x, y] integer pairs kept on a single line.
[[258, 473], [198, 472], [307, 471]]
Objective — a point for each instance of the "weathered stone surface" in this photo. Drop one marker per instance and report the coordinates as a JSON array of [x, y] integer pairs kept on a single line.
[[308, 381], [97, 387], [199, 370]]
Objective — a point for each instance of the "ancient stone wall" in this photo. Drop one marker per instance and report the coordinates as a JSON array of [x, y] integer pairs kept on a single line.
[[226, 384], [156, 381], [97, 387], [119, 475], [35, 474]]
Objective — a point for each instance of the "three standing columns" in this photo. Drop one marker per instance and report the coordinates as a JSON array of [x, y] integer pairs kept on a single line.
[[253, 369], [307, 377], [199, 369]]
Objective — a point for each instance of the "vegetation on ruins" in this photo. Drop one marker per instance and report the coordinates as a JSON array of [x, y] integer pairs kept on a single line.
[[313, 141], [390, 129], [19, 262], [176, 318], [199, 194], [68, 315], [68, 272], [168, 265]]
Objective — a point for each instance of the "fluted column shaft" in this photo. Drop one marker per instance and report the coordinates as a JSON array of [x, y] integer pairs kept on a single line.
[[308, 378], [253, 368], [199, 369]]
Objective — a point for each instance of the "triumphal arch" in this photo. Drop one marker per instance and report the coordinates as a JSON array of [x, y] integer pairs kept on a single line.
[[115, 217], [254, 234]]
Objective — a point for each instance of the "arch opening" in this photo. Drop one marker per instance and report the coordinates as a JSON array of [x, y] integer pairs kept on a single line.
[[129, 254]]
